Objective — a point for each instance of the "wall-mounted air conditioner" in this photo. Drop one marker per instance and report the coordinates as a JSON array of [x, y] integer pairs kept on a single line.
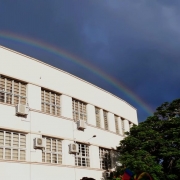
[[81, 124], [73, 148], [22, 109], [39, 143]]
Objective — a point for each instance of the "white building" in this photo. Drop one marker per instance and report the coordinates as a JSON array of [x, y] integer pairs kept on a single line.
[[56, 101]]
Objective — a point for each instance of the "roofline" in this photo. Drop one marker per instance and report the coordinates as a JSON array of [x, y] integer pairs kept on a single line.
[[65, 73]]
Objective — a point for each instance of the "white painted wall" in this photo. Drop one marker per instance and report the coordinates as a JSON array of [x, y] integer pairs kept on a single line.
[[39, 73], [37, 123]]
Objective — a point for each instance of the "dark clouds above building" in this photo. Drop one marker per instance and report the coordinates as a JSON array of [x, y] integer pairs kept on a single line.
[[135, 42]]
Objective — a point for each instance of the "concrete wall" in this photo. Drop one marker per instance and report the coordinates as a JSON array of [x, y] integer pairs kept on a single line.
[[38, 124]]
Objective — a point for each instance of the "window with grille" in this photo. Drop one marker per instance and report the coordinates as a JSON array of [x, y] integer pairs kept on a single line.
[[53, 151], [82, 158], [105, 120], [12, 145], [50, 102], [122, 126], [98, 120], [105, 158], [12, 91], [116, 124], [79, 110]]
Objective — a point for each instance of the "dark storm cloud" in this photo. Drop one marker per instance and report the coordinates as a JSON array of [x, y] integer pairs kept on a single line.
[[135, 41]]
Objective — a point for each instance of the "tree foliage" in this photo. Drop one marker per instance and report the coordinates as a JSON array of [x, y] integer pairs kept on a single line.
[[154, 145]]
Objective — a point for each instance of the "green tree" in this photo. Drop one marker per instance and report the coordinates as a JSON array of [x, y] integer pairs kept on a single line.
[[154, 145]]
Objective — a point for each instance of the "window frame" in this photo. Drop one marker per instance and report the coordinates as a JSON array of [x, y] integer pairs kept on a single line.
[[45, 104], [104, 164], [116, 124], [79, 111], [57, 153], [11, 146], [9, 96], [105, 116], [98, 117], [79, 157]]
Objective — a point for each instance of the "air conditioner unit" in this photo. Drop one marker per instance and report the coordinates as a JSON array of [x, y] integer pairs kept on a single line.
[[81, 124], [73, 148], [22, 109], [39, 143]]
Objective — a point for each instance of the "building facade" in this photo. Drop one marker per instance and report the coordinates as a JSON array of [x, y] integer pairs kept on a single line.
[[56, 102]]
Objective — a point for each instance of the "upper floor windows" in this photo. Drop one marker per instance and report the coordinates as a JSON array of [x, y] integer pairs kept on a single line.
[[116, 124], [82, 158], [12, 91], [53, 151], [12, 145], [79, 110], [105, 120], [122, 126], [98, 120], [50, 102]]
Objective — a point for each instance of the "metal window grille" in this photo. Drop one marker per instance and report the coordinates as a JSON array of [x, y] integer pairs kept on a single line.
[[98, 120], [53, 151], [79, 110], [50, 102], [116, 124], [12, 145], [12, 91], [105, 120], [82, 158], [105, 158], [122, 126]]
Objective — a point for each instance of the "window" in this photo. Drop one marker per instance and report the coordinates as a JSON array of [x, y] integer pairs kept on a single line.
[[12, 91], [53, 151], [105, 158], [122, 126], [50, 102], [116, 124], [79, 110], [105, 120], [82, 158], [98, 120], [12, 145]]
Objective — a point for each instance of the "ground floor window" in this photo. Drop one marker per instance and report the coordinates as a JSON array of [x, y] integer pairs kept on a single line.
[[52, 152], [12, 145], [82, 158]]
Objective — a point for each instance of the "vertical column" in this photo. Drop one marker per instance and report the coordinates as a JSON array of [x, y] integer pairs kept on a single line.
[[91, 118], [126, 125], [94, 157], [102, 118], [111, 122], [34, 96], [67, 159], [66, 106]]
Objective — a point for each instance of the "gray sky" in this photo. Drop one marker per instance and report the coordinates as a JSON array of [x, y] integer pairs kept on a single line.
[[135, 42]]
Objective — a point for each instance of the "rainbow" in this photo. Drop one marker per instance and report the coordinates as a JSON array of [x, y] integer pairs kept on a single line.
[[77, 60]]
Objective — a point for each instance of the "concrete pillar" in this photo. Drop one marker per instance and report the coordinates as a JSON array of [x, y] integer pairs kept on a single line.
[[34, 96], [111, 122], [66, 106], [101, 118], [67, 159], [94, 157], [91, 117], [126, 125]]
